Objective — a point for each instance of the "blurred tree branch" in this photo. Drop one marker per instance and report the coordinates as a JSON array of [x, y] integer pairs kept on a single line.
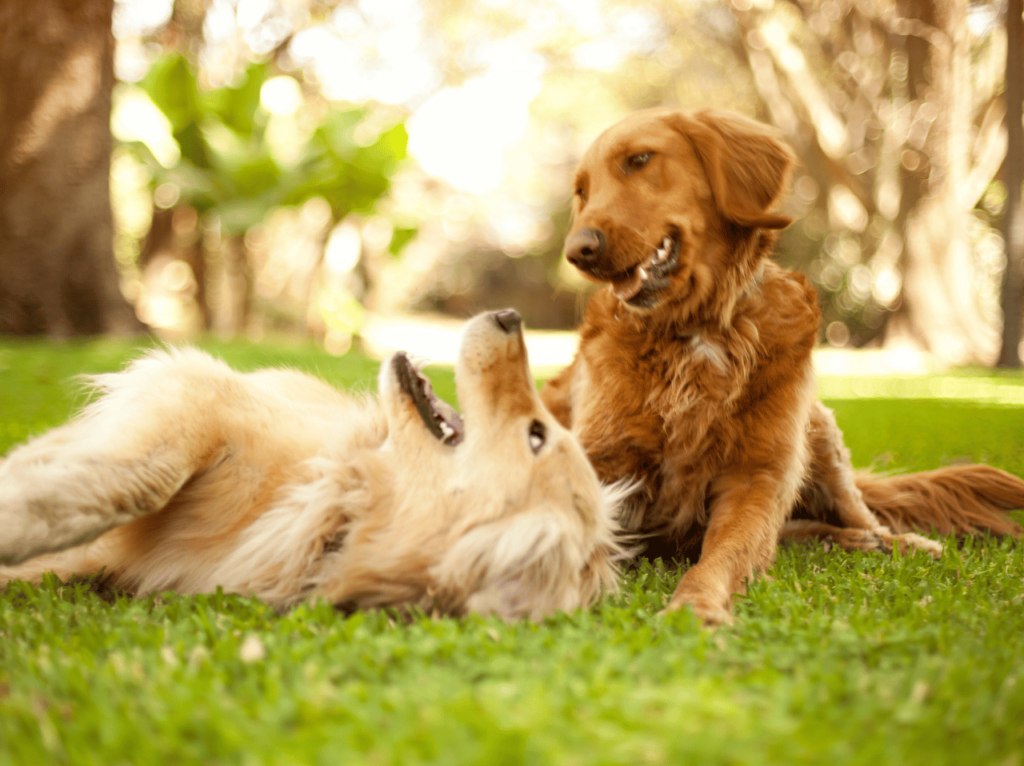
[[885, 90]]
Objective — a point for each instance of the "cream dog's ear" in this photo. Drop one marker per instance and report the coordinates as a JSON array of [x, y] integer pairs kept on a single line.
[[746, 164], [531, 564]]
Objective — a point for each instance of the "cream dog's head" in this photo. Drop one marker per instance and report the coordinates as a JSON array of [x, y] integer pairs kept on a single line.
[[498, 511]]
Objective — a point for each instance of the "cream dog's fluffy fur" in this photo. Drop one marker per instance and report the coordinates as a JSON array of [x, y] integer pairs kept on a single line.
[[186, 475]]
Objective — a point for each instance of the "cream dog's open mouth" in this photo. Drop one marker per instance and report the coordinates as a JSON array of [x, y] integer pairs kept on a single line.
[[651, 273], [440, 418]]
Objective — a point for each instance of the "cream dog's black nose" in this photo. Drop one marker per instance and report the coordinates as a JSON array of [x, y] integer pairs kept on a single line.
[[508, 320]]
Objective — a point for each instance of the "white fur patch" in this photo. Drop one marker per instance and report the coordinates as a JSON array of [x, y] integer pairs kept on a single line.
[[709, 351]]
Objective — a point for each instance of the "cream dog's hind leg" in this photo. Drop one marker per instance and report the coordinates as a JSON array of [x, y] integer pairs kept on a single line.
[[124, 456]]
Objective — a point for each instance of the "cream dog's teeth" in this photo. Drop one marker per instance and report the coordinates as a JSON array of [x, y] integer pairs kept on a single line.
[[643, 274], [417, 362]]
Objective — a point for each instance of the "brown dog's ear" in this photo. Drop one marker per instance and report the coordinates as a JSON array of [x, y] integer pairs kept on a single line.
[[746, 164]]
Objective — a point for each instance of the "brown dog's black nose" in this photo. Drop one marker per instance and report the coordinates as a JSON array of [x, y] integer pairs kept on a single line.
[[508, 320], [585, 248]]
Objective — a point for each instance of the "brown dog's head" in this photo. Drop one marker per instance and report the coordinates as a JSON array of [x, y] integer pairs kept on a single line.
[[664, 198]]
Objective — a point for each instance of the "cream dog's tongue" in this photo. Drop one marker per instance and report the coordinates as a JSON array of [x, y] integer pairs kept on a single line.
[[630, 286]]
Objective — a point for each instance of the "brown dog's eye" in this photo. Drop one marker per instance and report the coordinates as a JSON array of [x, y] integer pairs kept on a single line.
[[637, 161], [581, 194], [538, 435]]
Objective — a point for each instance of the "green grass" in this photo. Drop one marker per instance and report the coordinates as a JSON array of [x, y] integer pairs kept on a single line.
[[836, 658]]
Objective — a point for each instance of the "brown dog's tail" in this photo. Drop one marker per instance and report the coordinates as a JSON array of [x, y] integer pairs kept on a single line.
[[959, 499]]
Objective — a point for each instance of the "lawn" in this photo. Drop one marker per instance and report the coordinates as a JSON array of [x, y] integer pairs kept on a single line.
[[835, 658]]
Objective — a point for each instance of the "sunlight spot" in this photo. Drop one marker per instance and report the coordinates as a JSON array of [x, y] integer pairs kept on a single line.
[[603, 55], [344, 247], [887, 286], [166, 195], [844, 208], [251, 12], [139, 17], [281, 96], [460, 134], [838, 334], [219, 23], [136, 118]]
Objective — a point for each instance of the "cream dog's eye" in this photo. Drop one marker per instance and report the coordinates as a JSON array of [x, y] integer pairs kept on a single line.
[[538, 434]]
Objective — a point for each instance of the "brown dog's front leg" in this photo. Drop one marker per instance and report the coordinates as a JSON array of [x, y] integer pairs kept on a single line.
[[746, 516]]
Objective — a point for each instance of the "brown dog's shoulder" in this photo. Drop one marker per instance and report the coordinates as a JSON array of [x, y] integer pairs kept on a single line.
[[787, 288], [557, 396], [785, 310]]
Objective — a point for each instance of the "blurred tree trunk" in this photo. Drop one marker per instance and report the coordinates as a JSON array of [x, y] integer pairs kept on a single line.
[[57, 269], [1013, 214], [939, 309], [877, 99], [234, 303]]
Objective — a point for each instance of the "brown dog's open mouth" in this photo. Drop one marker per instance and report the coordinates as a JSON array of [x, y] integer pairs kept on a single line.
[[638, 282], [439, 417]]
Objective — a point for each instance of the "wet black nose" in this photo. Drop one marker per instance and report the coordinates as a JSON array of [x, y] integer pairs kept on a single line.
[[585, 248], [508, 320]]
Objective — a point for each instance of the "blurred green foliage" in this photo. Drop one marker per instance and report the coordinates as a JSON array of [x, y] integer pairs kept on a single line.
[[227, 168]]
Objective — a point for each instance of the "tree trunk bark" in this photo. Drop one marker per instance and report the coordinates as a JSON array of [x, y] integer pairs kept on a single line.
[[939, 307], [57, 271], [1013, 214]]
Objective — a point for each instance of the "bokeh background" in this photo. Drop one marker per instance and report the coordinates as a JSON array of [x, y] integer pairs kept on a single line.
[[318, 167]]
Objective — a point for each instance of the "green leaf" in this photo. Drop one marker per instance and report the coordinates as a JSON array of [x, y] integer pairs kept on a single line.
[[239, 214], [400, 238], [172, 87], [392, 143], [193, 145], [237, 106]]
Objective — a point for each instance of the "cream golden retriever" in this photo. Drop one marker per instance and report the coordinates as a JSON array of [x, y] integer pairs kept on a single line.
[[693, 375], [186, 475]]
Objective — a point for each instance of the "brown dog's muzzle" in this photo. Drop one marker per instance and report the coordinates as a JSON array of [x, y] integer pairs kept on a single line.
[[585, 250]]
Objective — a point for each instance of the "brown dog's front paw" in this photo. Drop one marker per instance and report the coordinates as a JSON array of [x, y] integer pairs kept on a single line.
[[710, 614], [910, 542], [861, 540]]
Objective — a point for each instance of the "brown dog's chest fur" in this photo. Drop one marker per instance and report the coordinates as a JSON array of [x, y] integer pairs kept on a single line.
[[674, 405]]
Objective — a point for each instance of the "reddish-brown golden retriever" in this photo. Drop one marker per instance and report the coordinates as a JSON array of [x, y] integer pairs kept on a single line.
[[694, 372]]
